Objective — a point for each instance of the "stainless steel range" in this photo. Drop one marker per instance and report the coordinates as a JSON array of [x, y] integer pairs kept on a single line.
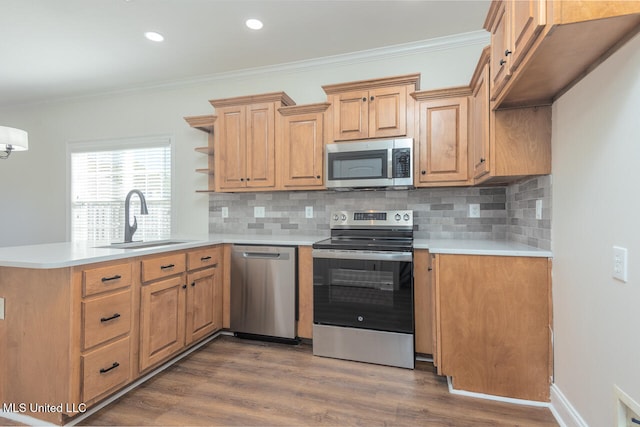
[[363, 288]]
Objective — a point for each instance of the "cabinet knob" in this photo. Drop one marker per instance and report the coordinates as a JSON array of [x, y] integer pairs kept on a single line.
[[502, 62], [364, 99], [429, 269], [193, 284], [317, 176], [482, 160], [423, 172], [372, 98], [248, 179], [184, 286], [507, 52]]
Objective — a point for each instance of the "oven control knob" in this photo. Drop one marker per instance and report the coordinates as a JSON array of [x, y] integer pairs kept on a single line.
[[360, 318], [406, 217], [343, 217], [336, 217], [398, 217]]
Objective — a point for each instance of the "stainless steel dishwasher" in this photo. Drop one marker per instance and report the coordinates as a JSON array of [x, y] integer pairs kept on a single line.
[[263, 291]]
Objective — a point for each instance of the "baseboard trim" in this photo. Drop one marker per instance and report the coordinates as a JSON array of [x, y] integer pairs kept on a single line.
[[496, 398], [563, 411]]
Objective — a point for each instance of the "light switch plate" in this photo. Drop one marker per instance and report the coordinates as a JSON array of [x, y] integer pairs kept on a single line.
[[620, 263], [225, 212], [258, 211], [474, 210], [308, 212], [1, 308]]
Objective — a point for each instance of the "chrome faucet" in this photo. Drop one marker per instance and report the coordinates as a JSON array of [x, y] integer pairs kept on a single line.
[[130, 229]]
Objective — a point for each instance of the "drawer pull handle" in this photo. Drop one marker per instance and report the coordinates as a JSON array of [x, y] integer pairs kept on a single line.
[[106, 319], [114, 366], [167, 267], [107, 279], [205, 258]]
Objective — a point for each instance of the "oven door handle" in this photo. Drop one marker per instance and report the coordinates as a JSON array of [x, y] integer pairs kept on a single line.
[[364, 255]]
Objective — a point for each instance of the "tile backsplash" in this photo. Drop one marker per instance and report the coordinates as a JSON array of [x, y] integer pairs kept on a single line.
[[521, 212], [439, 213]]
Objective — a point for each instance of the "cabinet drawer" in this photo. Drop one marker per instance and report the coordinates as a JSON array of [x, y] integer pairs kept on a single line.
[[163, 266], [105, 369], [208, 257], [105, 318], [103, 279]]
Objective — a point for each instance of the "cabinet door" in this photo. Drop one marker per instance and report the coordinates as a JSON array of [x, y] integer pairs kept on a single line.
[[202, 313], [261, 146], [388, 112], [231, 155], [499, 46], [302, 150], [494, 324], [351, 115], [423, 302], [480, 125], [443, 141], [527, 20], [162, 316]]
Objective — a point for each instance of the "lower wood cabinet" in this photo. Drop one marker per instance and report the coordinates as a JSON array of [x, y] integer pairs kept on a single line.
[[493, 324], [203, 304], [423, 296]]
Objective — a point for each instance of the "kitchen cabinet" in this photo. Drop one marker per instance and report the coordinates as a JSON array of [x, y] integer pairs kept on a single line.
[[177, 309], [305, 292], [494, 324], [506, 144], [441, 146], [513, 25], [205, 123], [378, 108], [245, 141], [540, 49], [300, 146], [480, 161], [424, 307]]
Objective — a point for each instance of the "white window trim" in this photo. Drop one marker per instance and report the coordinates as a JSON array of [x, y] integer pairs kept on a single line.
[[114, 144]]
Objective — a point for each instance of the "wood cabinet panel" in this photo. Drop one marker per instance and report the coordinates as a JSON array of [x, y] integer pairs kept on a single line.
[[104, 279], [305, 292], [388, 112], [105, 369], [231, 155], [500, 43], [442, 142], [201, 258], [260, 146], [203, 294], [423, 302], [527, 21], [105, 318], [494, 324], [351, 115], [163, 266], [301, 146], [479, 135], [162, 320]]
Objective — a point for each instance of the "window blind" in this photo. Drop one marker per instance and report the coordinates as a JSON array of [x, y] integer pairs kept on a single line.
[[101, 176]]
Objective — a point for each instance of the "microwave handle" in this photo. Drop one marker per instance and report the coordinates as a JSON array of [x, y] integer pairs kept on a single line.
[[390, 163]]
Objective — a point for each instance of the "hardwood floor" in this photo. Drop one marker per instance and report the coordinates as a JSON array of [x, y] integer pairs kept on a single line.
[[232, 382]]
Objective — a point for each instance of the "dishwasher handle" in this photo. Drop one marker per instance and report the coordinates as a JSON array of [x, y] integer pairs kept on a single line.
[[263, 255]]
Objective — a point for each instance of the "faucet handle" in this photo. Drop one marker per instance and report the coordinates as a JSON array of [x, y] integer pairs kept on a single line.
[[133, 227]]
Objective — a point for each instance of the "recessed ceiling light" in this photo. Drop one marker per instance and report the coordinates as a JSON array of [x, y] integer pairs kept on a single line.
[[254, 24], [153, 36]]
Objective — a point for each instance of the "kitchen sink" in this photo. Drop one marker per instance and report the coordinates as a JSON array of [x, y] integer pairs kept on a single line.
[[141, 245]]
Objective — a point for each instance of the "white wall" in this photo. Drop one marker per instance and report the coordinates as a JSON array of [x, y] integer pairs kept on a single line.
[[596, 205], [34, 201]]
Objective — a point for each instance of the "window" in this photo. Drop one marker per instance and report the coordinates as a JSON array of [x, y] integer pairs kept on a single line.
[[101, 175]]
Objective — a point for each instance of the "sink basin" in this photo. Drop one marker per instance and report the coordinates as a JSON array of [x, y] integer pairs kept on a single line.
[[141, 245]]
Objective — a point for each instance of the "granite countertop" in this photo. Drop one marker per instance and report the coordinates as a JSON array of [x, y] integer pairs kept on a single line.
[[68, 254]]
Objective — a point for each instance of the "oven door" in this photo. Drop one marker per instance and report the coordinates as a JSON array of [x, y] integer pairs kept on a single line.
[[360, 289]]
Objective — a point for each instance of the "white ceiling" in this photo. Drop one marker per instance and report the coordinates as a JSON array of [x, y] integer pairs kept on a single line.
[[52, 49]]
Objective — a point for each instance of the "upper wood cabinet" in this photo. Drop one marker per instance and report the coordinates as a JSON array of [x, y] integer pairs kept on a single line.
[[493, 324], [540, 48], [378, 108], [513, 25], [479, 142], [441, 146], [245, 141], [300, 146]]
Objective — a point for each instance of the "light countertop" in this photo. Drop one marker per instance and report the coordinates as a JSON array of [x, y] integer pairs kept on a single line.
[[68, 254]]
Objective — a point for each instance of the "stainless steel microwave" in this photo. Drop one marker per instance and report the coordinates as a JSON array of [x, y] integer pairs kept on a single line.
[[367, 164]]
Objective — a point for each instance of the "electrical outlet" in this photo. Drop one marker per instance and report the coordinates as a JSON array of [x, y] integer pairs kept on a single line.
[[620, 263], [1, 308], [308, 212], [474, 210], [258, 212], [538, 209], [225, 212]]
